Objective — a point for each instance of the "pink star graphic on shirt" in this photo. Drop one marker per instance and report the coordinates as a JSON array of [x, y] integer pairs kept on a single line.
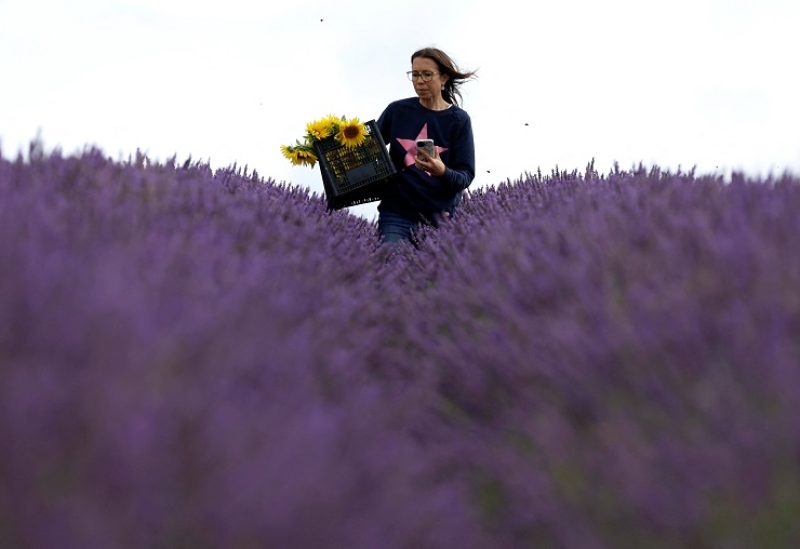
[[410, 145]]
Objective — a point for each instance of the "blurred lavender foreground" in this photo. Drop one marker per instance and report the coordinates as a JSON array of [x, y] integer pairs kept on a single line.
[[200, 359]]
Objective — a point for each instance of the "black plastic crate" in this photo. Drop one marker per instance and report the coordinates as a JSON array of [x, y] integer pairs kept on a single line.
[[354, 175]]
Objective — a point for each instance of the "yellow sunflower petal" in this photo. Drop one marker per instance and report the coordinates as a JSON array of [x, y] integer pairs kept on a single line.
[[319, 129], [332, 123], [299, 155], [352, 133], [287, 151], [305, 157]]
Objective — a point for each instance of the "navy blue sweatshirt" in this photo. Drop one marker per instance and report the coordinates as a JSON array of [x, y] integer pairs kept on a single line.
[[413, 193]]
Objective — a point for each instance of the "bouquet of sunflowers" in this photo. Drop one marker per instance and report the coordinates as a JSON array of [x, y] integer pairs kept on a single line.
[[349, 132], [353, 159]]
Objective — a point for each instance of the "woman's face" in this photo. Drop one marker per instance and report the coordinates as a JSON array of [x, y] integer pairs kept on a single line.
[[433, 88]]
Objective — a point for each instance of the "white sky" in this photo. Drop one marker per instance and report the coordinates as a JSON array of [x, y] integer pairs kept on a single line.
[[711, 83]]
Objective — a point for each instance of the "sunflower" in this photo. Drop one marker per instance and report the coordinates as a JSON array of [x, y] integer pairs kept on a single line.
[[334, 122], [352, 133], [319, 129], [299, 155]]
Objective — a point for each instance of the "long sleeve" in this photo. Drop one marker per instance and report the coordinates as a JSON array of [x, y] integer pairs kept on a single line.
[[461, 170], [385, 126]]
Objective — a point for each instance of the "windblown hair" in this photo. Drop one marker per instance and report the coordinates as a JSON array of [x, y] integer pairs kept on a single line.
[[451, 92]]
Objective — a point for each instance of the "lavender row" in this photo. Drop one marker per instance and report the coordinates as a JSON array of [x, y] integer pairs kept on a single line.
[[205, 358], [629, 344]]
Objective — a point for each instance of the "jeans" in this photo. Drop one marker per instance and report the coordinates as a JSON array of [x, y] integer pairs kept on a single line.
[[393, 228]]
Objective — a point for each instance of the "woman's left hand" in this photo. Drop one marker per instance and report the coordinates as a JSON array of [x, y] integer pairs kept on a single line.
[[430, 164]]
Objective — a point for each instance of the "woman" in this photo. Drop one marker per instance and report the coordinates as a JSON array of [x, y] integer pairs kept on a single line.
[[427, 186]]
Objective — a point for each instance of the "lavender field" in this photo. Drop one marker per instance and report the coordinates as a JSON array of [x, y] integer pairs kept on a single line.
[[198, 358]]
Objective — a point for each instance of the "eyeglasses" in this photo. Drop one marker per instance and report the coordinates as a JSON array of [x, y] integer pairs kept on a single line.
[[425, 76]]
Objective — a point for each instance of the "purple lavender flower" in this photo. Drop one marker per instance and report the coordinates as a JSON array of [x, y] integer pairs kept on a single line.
[[211, 358]]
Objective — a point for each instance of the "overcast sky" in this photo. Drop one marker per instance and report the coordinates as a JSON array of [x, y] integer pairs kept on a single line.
[[706, 83]]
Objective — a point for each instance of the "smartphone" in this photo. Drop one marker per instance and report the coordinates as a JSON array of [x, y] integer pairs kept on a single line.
[[426, 145]]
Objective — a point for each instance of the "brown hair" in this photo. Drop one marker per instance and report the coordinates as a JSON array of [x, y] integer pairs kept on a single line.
[[447, 66]]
